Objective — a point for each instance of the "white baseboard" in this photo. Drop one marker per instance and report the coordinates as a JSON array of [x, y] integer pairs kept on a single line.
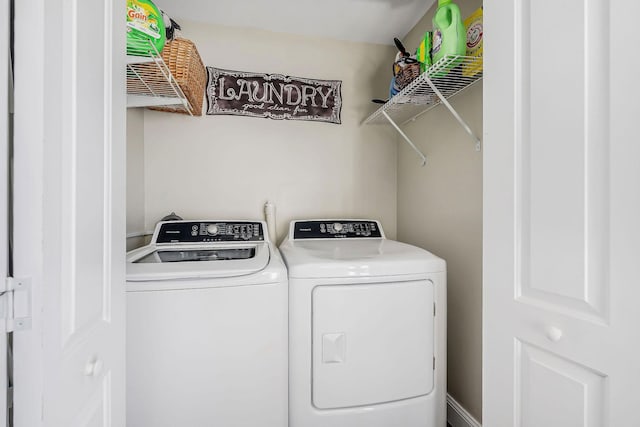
[[457, 416]]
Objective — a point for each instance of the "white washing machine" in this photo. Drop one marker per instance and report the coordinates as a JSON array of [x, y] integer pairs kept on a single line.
[[207, 327], [367, 328]]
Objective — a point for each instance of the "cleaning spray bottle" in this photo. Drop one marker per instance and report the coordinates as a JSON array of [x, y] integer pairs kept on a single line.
[[449, 33]]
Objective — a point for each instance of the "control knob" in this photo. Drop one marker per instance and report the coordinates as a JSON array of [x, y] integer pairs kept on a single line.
[[337, 226], [212, 229]]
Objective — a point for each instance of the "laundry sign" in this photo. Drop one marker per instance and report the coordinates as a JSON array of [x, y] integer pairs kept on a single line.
[[273, 95]]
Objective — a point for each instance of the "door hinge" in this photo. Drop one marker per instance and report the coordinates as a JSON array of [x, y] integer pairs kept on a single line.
[[434, 309], [9, 397], [434, 363], [15, 304]]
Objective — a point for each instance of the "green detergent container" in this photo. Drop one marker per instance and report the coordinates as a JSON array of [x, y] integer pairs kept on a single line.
[[449, 33], [144, 25]]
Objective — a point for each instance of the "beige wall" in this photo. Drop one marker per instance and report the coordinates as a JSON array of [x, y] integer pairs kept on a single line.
[[440, 209], [135, 176], [229, 166]]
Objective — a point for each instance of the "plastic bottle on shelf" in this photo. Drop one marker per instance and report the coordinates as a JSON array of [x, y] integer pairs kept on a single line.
[[449, 34]]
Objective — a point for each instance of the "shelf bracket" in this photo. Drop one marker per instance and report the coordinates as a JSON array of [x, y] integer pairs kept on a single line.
[[405, 137], [455, 114]]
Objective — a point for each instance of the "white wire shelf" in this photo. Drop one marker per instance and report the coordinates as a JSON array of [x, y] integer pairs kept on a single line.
[[151, 84], [441, 81]]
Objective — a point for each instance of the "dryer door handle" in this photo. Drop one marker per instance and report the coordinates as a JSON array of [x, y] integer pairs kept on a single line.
[[334, 347]]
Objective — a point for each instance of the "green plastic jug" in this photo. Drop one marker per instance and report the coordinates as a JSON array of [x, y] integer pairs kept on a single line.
[[144, 25], [449, 33]]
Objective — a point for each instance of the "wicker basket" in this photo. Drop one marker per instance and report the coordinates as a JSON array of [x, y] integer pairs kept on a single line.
[[407, 74], [183, 60]]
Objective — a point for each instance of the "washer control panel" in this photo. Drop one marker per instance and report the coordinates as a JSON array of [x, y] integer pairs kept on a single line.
[[336, 229], [209, 231]]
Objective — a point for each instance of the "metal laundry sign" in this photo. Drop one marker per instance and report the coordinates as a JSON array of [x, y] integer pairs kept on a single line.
[[273, 95]]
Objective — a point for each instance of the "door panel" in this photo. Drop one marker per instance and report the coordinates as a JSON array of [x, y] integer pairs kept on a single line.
[[84, 178], [95, 411], [560, 245], [561, 142], [556, 392]]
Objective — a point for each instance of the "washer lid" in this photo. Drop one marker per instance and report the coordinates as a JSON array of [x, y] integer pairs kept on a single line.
[[357, 257], [164, 255], [166, 262]]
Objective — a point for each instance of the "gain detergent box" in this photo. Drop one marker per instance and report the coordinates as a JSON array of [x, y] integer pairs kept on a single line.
[[473, 24], [144, 26], [423, 52]]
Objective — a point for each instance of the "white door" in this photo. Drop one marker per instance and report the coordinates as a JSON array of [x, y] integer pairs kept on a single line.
[[69, 211], [561, 214]]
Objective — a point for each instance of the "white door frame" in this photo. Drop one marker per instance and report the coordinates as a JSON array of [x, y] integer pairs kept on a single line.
[[28, 194], [5, 87]]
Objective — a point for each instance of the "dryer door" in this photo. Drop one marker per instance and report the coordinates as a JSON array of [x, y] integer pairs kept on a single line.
[[372, 343]]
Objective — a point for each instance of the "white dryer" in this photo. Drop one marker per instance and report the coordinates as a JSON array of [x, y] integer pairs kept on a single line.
[[207, 327], [367, 325]]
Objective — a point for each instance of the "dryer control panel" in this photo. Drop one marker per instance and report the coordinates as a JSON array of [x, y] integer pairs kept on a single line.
[[209, 231], [339, 228]]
